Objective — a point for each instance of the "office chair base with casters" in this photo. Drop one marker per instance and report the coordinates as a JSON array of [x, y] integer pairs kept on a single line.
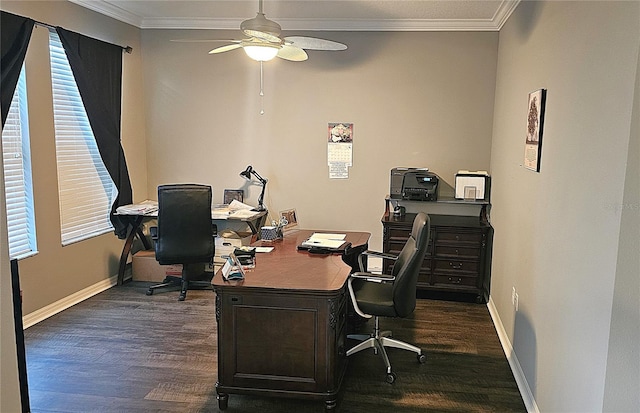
[[186, 282], [378, 340]]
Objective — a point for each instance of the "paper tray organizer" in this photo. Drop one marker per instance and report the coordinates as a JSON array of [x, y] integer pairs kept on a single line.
[[473, 185]]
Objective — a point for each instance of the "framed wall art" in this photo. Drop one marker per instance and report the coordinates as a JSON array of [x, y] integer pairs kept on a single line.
[[535, 123]]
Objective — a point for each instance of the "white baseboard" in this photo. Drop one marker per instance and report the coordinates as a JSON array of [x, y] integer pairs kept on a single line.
[[61, 305], [521, 380]]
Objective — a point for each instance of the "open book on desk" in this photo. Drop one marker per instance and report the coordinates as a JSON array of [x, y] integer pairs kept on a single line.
[[324, 241]]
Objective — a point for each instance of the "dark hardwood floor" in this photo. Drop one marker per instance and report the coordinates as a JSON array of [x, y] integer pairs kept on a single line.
[[123, 351]]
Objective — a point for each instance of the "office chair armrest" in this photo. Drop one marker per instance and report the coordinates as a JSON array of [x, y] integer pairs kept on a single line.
[[376, 278], [362, 264], [153, 231], [385, 255]]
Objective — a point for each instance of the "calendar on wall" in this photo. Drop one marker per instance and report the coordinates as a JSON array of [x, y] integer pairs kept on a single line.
[[340, 150]]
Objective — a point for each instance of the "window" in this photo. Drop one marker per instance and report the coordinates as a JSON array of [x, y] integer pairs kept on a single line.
[[86, 190], [16, 155]]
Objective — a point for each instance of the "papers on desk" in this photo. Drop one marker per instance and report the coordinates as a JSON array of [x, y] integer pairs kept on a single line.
[[147, 207], [324, 240], [220, 212], [235, 210]]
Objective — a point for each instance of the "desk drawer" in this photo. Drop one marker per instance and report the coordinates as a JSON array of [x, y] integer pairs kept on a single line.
[[399, 232], [457, 251], [458, 237], [458, 280], [455, 266]]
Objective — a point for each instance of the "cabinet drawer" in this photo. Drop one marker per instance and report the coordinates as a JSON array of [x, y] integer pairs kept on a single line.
[[473, 237], [460, 280], [425, 269], [457, 266], [424, 278], [457, 251], [399, 233], [394, 247]]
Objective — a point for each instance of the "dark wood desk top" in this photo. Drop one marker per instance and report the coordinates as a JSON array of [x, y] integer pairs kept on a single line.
[[287, 268]]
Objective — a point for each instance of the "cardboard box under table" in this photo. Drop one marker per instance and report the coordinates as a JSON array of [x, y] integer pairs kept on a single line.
[[146, 268]]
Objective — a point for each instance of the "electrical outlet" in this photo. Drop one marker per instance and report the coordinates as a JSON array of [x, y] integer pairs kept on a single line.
[[515, 302], [513, 296]]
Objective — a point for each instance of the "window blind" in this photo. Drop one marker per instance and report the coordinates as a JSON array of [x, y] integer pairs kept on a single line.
[[86, 190], [16, 155]]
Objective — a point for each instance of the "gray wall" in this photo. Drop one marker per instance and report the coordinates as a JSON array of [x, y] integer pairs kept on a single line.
[[622, 388], [416, 99], [558, 237]]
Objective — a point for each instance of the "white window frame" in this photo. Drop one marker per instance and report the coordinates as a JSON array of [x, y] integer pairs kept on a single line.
[[85, 188], [18, 185]]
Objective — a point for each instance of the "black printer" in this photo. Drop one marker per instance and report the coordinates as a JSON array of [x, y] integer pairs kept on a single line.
[[414, 184]]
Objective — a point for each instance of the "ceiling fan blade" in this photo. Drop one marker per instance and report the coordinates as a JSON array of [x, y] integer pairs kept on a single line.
[[313, 43], [225, 48], [292, 53], [204, 40]]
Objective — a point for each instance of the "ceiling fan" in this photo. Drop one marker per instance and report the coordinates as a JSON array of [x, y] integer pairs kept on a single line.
[[264, 42]]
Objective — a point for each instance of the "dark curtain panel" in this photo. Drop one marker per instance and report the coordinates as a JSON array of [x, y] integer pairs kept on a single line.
[[19, 330], [15, 32], [97, 68]]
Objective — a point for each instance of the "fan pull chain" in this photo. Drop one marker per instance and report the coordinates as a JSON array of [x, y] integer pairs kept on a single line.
[[261, 90]]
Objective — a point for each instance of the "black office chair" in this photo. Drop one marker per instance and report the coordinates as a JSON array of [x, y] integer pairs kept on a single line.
[[185, 235], [393, 295]]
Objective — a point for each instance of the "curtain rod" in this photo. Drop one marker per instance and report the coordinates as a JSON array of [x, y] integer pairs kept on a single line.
[[127, 49]]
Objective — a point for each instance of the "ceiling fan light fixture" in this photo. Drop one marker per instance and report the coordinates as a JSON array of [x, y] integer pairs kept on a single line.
[[262, 28], [261, 53]]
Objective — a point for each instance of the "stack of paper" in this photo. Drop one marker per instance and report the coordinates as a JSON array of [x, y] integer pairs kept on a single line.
[[324, 240], [220, 212], [240, 210], [144, 208]]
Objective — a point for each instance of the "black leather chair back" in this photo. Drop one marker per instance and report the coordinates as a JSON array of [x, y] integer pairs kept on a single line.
[[185, 231], [407, 266]]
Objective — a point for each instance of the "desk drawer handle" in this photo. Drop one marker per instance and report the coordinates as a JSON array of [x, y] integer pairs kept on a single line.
[[455, 266], [455, 280]]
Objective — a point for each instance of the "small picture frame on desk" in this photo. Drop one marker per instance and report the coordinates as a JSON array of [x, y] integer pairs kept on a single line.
[[233, 194], [291, 217]]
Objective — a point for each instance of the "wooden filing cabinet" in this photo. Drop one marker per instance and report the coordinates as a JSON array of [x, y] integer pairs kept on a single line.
[[458, 258]]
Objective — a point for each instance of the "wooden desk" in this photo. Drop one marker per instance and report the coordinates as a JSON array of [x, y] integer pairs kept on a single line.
[[254, 223], [281, 330]]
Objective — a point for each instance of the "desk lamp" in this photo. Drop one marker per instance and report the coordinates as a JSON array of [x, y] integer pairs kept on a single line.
[[246, 174]]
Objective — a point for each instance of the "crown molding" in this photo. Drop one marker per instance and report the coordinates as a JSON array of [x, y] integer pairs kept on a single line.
[[494, 24], [110, 10]]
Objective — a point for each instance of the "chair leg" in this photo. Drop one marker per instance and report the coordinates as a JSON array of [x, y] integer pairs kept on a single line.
[[378, 341], [186, 281], [390, 342], [169, 281], [183, 291], [367, 343]]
